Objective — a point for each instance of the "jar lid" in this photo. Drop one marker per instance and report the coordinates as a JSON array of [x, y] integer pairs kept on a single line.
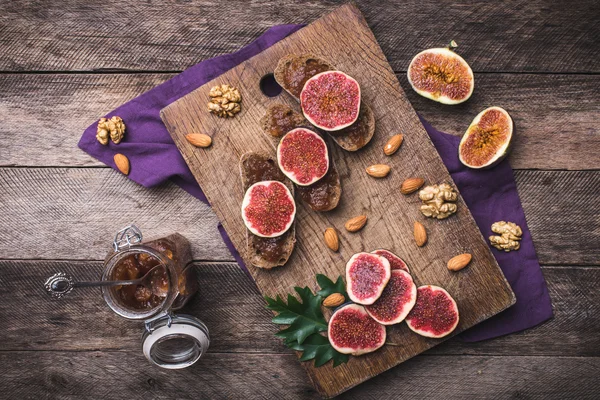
[[175, 341]]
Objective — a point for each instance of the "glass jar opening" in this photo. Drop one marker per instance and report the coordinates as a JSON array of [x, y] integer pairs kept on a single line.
[[142, 300]]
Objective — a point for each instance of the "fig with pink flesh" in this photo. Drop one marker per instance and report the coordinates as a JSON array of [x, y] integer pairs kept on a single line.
[[331, 100], [435, 313], [302, 156], [396, 301], [352, 331], [268, 209], [441, 75], [395, 261], [487, 140], [366, 277]]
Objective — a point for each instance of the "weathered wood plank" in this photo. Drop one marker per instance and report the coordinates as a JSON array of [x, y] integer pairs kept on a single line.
[[162, 35], [238, 322], [260, 376], [48, 114], [72, 213]]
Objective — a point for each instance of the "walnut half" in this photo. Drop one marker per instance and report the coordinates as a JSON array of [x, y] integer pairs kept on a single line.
[[438, 201], [509, 235], [113, 128], [224, 101]]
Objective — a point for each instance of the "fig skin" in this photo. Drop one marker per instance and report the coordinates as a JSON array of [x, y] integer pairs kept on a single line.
[[418, 312], [367, 274], [388, 310], [247, 201], [395, 261], [292, 174], [503, 148], [338, 126], [374, 334], [448, 55]]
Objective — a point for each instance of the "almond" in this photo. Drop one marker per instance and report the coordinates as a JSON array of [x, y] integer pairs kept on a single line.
[[393, 144], [459, 262], [334, 300], [411, 185], [356, 224], [199, 139], [420, 234], [122, 163], [378, 170], [331, 239]]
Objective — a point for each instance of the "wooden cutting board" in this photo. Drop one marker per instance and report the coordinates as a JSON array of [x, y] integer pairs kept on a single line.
[[344, 39]]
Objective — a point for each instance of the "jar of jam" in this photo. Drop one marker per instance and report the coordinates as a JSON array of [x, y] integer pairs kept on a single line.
[[167, 281], [169, 340]]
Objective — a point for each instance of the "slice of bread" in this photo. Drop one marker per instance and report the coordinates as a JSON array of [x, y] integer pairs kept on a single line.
[[293, 71], [323, 195], [266, 253]]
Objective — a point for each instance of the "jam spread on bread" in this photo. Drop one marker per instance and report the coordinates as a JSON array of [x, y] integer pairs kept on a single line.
[[258, 169]]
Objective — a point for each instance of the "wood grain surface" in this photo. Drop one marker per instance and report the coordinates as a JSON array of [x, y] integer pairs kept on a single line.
[[64, 63], [85, 206], [344, 38], [239, 322], [550, 132], [532, 36]]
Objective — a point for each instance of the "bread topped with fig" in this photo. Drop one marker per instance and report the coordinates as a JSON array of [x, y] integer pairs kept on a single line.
[[268, 211], [330, 99], [317, 179]]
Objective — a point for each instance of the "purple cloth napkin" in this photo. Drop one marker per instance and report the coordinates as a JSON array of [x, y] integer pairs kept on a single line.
[[491, 195]]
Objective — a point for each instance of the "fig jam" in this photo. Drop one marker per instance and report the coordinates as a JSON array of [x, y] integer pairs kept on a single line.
[[175, 252], [258, 169], [270, 249], [140, 297], [320, 194], [282, 119], [299, 71]]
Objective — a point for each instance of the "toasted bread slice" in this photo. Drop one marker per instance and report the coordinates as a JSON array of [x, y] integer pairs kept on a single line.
[[262, 252], [323, 195], [293, 71]]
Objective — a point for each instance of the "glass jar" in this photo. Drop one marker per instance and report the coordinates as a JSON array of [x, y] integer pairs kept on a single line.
[[169, 340], [171, 286]]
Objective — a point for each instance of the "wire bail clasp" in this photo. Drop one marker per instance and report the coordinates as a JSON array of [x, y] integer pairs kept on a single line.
[[126, 237]]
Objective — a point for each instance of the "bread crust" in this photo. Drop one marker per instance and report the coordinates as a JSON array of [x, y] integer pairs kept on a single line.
[[323, 195], [291, 74], [287, 240]]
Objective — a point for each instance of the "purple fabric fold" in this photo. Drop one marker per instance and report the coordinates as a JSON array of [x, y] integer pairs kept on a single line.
[[491, 194]]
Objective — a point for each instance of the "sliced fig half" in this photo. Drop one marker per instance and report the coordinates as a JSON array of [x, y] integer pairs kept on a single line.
[[441, 75], [395, 261], [396, 301], [366, 277], [435, 313], [302, 156], [352, 331], [331, 100], [487, 140], [268, 209], [264, 252]]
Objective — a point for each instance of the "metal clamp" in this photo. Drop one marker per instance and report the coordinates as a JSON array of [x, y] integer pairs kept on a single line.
[[126, 237], [148, 324]]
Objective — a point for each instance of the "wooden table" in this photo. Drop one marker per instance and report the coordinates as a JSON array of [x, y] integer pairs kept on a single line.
[[63, 64]]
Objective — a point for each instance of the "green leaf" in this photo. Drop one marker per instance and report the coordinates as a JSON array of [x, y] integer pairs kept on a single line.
[[317, 347], [328, 287], [303, 317], [305, 320]]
